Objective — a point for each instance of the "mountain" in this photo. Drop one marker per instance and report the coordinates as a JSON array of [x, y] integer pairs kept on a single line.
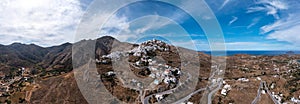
[[49, 70], [58, 58], [19, 55]]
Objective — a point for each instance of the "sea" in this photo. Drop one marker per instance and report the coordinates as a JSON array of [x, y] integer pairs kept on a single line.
[[268, 53]]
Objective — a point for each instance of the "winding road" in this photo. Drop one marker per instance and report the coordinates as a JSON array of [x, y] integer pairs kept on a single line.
[[189, 96]]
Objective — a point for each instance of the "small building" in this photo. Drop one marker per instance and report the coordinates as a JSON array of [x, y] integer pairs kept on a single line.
[[156, 82], [152, 75], [258, 78], [111, 73], [225, 89], [243, 79], [159, 97]]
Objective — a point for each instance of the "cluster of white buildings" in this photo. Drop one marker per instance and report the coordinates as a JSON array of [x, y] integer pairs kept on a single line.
[[160, 72], [149, 46], [163, 73], [140, 51], [114, 56], [145, 54], [4, 84]]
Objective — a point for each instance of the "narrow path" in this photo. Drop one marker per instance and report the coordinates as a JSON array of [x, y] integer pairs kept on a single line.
[[209, 101], [264, 86], [258, 94]]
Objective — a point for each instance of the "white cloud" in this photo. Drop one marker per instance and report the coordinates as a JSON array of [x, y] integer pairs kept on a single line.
[[275, 3], [282, 24], [124, 30], [224, 4], [255, 9], [290, 35], [242, 43], [233, 20], [117, 27], [43, 22], [258, 46], [254, 22], [152, 22], [271, 7], [119, 23], [286, 28]]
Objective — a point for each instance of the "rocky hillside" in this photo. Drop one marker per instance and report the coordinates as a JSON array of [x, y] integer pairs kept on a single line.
[[35, 74]]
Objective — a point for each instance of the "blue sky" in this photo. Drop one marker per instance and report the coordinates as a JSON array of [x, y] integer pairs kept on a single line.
[[259, 24], [246, 24]]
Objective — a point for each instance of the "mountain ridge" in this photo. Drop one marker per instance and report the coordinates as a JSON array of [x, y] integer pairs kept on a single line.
[[18, 55]]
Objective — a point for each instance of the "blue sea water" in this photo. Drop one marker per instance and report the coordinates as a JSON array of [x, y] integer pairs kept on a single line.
[[269, 53]]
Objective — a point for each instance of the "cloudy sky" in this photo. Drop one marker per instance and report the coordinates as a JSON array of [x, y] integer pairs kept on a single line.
[[247, 24]]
